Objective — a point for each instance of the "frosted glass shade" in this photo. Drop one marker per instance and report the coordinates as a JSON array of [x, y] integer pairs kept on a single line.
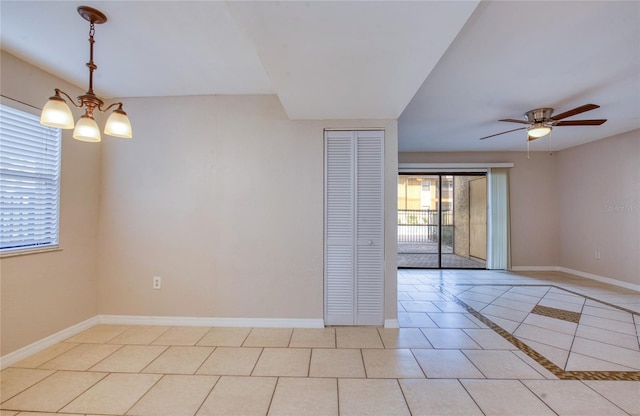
[[118, 125], [539, 130], [56, 113], [87, 130]]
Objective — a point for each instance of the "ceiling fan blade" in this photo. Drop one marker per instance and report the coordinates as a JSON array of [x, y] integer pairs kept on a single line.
[[577, 110], [595, 122], [504, 132], [513, 120]]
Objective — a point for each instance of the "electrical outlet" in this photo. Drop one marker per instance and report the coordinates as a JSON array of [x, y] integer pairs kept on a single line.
[[157, 282], [597, 254]]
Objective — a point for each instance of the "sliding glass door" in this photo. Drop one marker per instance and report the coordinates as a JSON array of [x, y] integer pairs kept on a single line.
[[440, 221]]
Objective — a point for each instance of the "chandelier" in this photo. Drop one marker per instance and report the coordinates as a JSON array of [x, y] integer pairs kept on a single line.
[[56, 112]]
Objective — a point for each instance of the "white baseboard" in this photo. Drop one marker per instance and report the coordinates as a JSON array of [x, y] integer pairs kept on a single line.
[[44, 343], [602, 279], [586, 275], [535, 269], [391, 323], [205, 321]]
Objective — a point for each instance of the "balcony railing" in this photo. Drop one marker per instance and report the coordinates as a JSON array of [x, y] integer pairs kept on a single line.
[[421, 226]]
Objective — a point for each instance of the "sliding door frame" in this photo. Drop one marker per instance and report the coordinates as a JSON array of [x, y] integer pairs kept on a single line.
[[443, 169]]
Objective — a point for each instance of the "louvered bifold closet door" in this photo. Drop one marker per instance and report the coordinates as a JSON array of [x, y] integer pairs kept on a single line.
[[354, 228], [369, 273], [339, 228]]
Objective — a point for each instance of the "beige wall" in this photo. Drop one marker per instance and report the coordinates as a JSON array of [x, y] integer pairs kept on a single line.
[[534, 210], [44, 293], [221, 196], [599, 204]]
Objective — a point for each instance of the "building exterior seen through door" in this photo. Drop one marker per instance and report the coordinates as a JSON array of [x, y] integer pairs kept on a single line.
[[442, 221]]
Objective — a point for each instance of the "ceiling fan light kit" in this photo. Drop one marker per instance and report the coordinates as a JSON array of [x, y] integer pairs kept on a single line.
[[539, 130], [56, 112]]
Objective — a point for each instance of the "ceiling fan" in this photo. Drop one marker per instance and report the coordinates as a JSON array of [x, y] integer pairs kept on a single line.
[[541, 121]]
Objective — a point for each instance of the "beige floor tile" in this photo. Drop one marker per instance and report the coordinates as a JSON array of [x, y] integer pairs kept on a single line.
[[371, 397], [438, 397], [452, 320], [535, 365], [579, 362], [129, 359], [179, 360], [291, 362], [449, 338], [584, 401], [450, 307], [608, 337], [505, 397], [305, 396], [506, 324], [544, 336], [501, 364], [113, 395], [36, 360], [358, 337], [140, 335], [231, 361], [415, 320], [419, 306], [608, 324], [82, 357], [624, 394], [403, 338], [446, 364], [558, 356], [607, 352], [246, 396], [605, 311], [224, 337], [182, 335], [11, 413], [513, 304], [16, 380], [551, 323], [175, 395], [505, 313], [391, 363], [268, 337], [54, 392], [336, 363], [99, 334], [313, 338], [488, 339]]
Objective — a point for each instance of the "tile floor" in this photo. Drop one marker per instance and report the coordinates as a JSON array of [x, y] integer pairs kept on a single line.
[[471, 343]]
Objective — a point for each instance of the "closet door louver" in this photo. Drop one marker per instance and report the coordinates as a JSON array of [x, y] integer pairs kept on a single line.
[[339, 228], [354, 225], [369, 229]]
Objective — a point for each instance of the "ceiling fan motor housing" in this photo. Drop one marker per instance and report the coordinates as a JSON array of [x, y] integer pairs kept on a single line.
[[539, 115]]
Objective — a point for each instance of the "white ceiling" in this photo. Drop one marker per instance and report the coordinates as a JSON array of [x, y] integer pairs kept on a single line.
[[447, 69]]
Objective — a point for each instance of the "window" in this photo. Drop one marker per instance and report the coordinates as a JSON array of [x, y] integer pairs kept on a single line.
[[29, 182]]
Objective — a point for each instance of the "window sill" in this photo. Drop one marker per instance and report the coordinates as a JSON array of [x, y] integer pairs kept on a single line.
[[28, 251]]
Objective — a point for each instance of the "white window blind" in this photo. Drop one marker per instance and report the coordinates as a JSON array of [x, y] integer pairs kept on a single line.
[[29, 181]]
